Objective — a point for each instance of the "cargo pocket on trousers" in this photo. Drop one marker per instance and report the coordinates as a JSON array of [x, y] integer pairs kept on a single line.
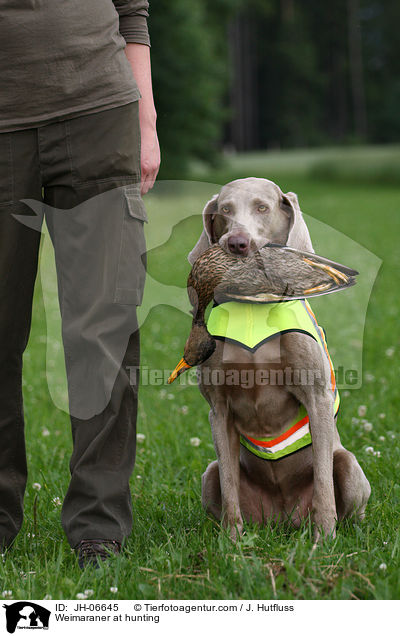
[[132, 258]]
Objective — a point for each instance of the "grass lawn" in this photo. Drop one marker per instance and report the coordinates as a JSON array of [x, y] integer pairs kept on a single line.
[[176, 551]]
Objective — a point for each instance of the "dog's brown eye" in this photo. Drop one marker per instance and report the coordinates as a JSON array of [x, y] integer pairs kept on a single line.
[[262, 208], [225, 209]]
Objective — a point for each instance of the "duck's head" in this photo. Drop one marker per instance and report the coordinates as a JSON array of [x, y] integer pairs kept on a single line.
[[199, 346]]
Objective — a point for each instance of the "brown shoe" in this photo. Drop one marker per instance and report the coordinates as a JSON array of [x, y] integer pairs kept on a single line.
[[91, 551]]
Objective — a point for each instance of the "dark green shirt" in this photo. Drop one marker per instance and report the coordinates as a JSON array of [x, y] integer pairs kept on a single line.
[[64, 58]]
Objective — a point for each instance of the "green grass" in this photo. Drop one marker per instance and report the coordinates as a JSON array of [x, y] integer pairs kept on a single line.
[[354, 164], [175, 550]]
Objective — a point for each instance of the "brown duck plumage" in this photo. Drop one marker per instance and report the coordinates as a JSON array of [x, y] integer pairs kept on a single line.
[[271, 274]]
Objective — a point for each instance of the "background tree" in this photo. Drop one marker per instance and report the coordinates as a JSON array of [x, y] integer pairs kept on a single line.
[[190, 66], [273, 74]]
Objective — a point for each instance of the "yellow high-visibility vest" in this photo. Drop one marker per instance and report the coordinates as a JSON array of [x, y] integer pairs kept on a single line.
[[252, 324]]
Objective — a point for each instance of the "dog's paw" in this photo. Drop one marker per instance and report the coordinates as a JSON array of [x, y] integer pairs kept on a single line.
[[235, 532], [234, 528], [324, 526]]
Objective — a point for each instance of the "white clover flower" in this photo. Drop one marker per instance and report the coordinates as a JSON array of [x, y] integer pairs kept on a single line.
[[140, 437], [381, 438], [45, 432], [81, 596], [138, 476], [195, 441], [184, 410], [6, 593], [171, 396], [382, 416], [25, 575], [114, 590], [89, 593], [57, 501], [389, 352], [36, 486], [362, 410], [354, 420], [369, 450], [383, 567], [367, 426], [48, 597], [377, 453]]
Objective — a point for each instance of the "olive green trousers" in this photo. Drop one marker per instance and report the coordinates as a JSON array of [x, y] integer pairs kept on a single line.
[[82, 176]]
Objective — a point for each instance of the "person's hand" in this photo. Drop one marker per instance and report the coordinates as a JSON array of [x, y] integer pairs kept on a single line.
[[150, 156]]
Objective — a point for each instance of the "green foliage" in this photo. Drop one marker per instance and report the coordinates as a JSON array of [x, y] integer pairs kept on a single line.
[[382, 68], [337, 164], [190, 76], [290, 83], [296, 87]]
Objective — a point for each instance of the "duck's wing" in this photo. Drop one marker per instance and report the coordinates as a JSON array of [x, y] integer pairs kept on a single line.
[[297, 275], [316, 259], [275, 298]]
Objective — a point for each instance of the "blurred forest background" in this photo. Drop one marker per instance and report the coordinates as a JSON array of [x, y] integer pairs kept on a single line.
[[231, 75]]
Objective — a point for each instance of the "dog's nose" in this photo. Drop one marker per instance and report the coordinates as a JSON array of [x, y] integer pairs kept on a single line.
[[238, 244]]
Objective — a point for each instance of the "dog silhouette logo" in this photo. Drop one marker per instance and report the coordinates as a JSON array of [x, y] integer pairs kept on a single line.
[[26, 615]]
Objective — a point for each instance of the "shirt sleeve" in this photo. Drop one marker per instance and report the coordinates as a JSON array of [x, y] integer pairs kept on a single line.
[[133, 16]]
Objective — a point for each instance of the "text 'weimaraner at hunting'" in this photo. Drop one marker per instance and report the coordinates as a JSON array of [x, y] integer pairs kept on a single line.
[[279, 452]]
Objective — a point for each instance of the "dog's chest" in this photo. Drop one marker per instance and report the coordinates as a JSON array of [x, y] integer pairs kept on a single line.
[[263, 413], [251, 386]]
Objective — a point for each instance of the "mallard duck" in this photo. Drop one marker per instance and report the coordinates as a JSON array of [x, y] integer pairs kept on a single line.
[[274, 273]]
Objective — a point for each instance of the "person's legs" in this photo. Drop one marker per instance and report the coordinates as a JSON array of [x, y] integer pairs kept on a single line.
[[95, 217], [19, 246]]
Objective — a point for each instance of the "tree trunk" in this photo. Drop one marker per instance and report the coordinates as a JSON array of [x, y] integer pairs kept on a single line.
[[356, 69], [244, 129]]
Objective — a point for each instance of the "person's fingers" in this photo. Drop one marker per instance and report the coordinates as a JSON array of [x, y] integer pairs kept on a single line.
[[148, 180], [150, 168], [150, 159]]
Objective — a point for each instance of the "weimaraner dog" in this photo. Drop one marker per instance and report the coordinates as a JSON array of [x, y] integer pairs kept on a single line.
[[322, 479]]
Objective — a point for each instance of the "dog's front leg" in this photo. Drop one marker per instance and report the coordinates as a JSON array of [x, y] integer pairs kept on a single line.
[[320, 411], [319, 405], [227, 446]]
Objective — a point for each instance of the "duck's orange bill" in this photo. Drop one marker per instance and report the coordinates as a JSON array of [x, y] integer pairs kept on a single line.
[[180, 368]]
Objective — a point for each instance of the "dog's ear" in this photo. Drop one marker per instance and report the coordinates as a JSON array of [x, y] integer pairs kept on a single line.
[[207, 236], [298, 236]]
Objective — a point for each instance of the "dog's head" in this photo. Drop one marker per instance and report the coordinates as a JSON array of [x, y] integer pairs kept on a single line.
[[247, 213]]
